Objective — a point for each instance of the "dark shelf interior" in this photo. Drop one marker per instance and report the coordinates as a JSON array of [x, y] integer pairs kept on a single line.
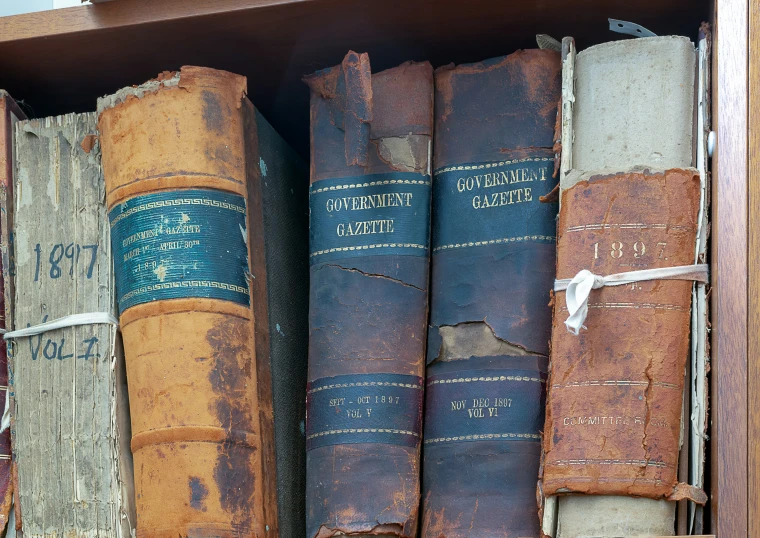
[[275, 44]]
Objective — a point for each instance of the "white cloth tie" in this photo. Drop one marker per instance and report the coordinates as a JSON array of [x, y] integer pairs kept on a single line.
[[579, 287], [91, 318]]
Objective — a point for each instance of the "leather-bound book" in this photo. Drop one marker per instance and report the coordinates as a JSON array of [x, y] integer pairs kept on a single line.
[[10, 114], [209, 242], [629, 202], [369, 227], [493, 255], [70, 428]]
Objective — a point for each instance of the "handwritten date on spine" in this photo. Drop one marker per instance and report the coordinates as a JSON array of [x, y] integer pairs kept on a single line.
[[61, 258], [57, 348]]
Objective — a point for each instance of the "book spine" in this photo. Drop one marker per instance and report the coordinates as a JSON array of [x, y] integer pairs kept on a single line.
[[369, 256], [279, 243], [493, 259], [604, 386], [10, 114], [633, 110], [71, 470], [174, 157]]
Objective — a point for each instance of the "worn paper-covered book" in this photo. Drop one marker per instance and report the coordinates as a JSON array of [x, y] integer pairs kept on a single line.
[[630, 201], [208, 227], [70, 430], [493, 264], [369, 228]]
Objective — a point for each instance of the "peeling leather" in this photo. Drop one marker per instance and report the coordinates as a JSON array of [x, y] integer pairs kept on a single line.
[[197, 420], [613, 419], [367, 314], [490, 300]]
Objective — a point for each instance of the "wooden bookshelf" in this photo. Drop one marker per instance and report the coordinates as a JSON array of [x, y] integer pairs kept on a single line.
[[61, 61]]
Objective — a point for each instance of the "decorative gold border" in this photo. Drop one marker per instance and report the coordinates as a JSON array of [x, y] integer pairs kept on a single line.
[[484, 437], [362, 430], [628, 226], [638, 463], [476, 379], [184, 284], [365, 384], [491, 165], [614, 383], [365, 247], [655, 306], [497, 241], [637, 480], [177, 202], [370, 184]]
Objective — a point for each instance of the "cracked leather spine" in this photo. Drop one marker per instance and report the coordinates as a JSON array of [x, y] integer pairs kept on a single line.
[[208, 230], [615, 398], [369, 261], [629, 202], [493, 255]]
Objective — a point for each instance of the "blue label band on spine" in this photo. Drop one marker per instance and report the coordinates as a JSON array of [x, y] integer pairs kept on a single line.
[[493, 203], [180, 244], [364, 408], [484, 405], [370, 215]]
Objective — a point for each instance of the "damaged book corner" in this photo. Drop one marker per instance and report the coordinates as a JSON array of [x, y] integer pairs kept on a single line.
[[370, 138], [624, 439], [493, 261]]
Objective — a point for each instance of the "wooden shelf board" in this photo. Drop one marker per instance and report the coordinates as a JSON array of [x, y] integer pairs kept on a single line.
[[728, 394], [74, 20]]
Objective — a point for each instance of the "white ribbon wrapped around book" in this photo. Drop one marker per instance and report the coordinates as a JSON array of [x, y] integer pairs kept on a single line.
[[90, 318], [579, 287]]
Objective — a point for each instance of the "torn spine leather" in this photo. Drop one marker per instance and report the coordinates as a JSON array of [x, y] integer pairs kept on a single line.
[[369, 255], [492, 271], [603, 141]]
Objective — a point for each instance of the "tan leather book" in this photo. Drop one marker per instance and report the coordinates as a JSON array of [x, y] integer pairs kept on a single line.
[[210, 283], [630, 201]]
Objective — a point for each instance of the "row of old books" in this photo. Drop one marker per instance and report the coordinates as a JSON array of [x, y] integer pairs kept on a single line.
[[200, 345]]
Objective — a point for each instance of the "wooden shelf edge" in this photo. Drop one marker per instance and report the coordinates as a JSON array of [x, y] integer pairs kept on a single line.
[[109, 15], [730, 231]]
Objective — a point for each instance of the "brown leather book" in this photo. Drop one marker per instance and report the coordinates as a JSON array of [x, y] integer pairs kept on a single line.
[[614, 414], [205, 218], [369, 228], [10, 114], [630, 201], [493, 256]]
